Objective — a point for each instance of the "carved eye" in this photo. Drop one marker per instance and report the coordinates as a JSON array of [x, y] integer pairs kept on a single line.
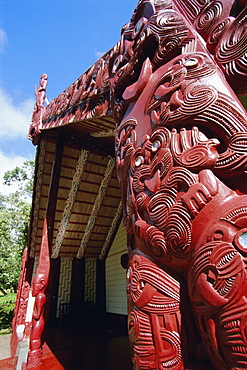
[[155, 146], [139, 26], [240, 241], [243, 240], [190, 63], [117, 63], [139, 161]]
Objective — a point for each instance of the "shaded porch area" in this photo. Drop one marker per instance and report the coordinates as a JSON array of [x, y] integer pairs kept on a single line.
[[90, 346]]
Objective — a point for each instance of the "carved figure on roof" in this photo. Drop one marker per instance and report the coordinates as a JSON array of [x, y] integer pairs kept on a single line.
[[40, 92], [182, 160], [36, 122]]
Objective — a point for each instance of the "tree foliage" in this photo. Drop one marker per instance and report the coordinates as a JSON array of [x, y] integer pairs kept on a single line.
[[23, 175], [7, 305], [14, 222]]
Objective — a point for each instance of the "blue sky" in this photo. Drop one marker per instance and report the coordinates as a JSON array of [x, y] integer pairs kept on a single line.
[[59, 37]]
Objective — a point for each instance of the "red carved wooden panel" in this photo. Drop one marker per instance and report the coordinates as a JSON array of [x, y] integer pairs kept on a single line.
[[181, 160]]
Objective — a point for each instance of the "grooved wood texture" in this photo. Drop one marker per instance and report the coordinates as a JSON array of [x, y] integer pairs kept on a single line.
[[90, 281], [64, 282]]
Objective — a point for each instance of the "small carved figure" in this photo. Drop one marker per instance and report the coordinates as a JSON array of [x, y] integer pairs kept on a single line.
[[36, 122], [39, 285], [38, 322], [40, 92]]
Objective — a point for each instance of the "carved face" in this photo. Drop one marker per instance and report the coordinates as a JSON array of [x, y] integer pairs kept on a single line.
[[38, 284], [157, 164], [179, 128]]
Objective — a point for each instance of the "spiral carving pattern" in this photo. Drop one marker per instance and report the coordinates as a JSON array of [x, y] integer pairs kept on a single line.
[[171, 29], [217, 32], [178, 230], [159, 207], [196, 157], [197, 98], [156, 243], [208, 17], [232, 50]]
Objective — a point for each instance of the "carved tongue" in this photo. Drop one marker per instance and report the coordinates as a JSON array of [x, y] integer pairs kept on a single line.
[[153, 184], [132, 91]]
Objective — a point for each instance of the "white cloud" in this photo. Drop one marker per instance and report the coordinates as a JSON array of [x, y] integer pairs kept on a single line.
[[14, 120], [99, 54], [3, 40], [8, 164]]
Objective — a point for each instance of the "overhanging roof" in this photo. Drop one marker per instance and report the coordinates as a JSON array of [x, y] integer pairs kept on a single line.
[[87, 208]]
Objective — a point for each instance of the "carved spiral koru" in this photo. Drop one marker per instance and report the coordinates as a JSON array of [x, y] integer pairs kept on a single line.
[[231, 53], [159, 206], [156, 243], [178, 230], [172, 30], [208, 17], [98, 106], [118, 111], [218, 31], [197, 98]]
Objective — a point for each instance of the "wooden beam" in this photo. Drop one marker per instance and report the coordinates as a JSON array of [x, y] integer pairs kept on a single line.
[[53, 190], [97, 204], [112, 232]]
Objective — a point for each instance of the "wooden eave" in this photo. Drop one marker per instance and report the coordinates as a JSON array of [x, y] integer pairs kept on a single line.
[[93, 138]]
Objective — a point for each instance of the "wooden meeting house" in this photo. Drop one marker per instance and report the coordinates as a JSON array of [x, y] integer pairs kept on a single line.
[[76, 191], [176, 61]]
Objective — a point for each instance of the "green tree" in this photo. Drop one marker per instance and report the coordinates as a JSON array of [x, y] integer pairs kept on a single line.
[[23, 175], [14, 222]]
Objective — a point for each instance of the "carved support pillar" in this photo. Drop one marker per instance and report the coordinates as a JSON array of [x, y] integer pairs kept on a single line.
[[181, 160]]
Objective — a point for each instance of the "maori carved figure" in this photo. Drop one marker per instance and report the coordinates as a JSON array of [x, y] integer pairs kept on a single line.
[[39, 285], [40, 93], [181, 148]]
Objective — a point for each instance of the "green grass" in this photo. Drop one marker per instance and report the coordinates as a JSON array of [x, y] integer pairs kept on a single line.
[[7, 305]]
